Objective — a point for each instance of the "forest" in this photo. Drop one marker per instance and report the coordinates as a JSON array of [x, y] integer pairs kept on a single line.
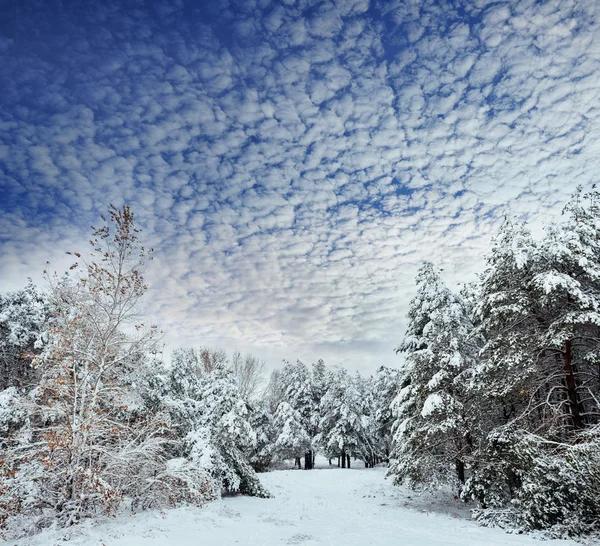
[[495, 397]]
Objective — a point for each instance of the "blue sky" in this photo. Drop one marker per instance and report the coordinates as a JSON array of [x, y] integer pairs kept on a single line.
[[293, 162]]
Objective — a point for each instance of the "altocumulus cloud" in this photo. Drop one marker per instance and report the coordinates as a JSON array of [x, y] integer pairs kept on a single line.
[[292, 161]]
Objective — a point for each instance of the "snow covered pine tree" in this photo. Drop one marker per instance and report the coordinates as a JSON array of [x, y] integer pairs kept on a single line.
[[212, 433], [292, 440], [432, 431], [341, 425], [539, 313], [296, 380]]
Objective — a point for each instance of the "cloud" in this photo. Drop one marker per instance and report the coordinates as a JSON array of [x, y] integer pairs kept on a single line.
[[292, 162]]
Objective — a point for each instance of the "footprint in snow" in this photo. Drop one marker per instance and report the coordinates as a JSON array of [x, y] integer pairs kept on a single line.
[[229, 513], [276, 521], [298, 538]]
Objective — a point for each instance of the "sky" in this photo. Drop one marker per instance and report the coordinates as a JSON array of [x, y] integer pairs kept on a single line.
[[292, 162]]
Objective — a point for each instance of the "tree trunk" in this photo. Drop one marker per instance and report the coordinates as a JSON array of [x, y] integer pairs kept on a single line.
[[297, 463], [308, 460], [338, 461], [348, 457], [460, 470], [314, 456], [343, 459], [571, 384]]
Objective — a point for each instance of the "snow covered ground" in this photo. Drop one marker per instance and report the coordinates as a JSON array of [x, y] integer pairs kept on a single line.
[[324, 506]]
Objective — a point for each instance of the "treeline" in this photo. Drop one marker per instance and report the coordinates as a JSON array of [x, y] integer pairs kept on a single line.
[[308, 409], [499, 394]]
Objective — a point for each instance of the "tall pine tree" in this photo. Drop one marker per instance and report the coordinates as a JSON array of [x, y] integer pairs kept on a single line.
[[432, 425]]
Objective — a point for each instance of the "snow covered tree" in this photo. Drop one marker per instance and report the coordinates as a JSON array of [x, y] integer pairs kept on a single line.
[[262, 453], [341, 427], [224, 414], [86, 445], [24, 318], [566, 289], [507, 318], [539, 314], [275, 391], [213, 432], [24, 323], [292, 439], [296, 380], [249, 372], [385, 388], [320, 378], [211, 358], [319, 381], [369, 449], [432, 428]]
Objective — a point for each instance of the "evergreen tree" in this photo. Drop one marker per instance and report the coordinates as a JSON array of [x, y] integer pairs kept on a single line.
[[432, 425], [369, 449], [224, 415], [341, 426], [539, 314], [385, 388], [214, 435], [298, 394], [319, 383], [292, 439], [262, 453], [24, 319]]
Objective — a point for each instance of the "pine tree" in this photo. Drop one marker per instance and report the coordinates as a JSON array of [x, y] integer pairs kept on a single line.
[[225, 416], [214, 434], [539, 314], [24, 319], [385, 388], [320, 379], [432, 425], [341, 427], [566, 288], [507, 318], [298, 394], [292, 439], [369, 449], [261, 455]]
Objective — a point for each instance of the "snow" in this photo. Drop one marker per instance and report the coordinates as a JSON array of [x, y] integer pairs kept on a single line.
[[433, 403], [325, 506]]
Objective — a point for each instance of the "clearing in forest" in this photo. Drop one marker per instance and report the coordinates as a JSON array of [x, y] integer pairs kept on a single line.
[[325, 506]]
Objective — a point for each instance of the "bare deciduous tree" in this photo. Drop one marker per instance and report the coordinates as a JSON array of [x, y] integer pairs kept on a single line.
[[211, 359], [250, 372], [89, 447]]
